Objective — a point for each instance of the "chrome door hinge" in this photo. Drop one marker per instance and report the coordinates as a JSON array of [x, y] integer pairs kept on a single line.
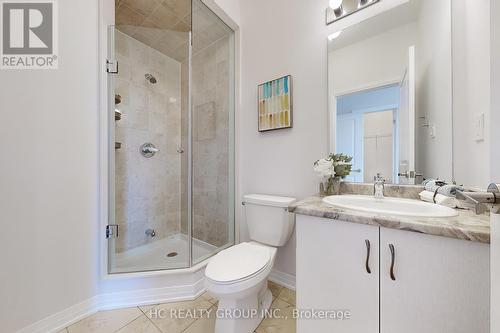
[[112, 66], [112, 231]]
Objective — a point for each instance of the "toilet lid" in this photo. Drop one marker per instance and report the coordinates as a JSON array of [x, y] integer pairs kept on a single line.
[[237, 262]]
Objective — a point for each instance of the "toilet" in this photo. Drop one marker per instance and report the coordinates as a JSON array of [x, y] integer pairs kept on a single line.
[[237, 276]]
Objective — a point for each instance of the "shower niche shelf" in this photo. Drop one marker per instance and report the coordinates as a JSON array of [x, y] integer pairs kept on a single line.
[[118, 100]]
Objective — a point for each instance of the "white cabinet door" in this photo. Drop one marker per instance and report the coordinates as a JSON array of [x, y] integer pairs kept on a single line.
[[332, 274], [442, 285]]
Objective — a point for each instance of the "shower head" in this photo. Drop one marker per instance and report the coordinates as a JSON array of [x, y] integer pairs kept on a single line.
[[150, 78]]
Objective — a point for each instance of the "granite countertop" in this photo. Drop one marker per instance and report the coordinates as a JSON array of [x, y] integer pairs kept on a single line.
[[467, 225]]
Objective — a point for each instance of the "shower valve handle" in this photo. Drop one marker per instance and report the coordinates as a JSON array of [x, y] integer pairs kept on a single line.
[[148, 150], [151, 150]]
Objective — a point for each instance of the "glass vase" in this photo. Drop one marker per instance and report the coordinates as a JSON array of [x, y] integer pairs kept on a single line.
[[331, 186]]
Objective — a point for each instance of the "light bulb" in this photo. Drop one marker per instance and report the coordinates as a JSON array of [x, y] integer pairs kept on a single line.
[[335, 4]]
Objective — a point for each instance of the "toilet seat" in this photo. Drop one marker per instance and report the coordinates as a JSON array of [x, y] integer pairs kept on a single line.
[[238, 263]]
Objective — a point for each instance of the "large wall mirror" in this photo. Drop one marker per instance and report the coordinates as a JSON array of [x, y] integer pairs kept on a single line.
[[390, 94]]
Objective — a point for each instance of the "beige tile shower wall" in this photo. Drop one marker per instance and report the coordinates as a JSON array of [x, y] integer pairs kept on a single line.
[[210, 90], [147, 189], [210, 98]]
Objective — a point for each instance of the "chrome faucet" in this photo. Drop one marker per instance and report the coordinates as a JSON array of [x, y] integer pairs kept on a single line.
[[378, 186], [479, 207], [480, 201]]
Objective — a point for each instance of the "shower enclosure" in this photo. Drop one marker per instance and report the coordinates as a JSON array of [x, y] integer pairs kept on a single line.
[[171, 135]]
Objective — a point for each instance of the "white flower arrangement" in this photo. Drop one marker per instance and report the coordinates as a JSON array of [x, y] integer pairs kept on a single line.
[[333, 168], [324, 168]]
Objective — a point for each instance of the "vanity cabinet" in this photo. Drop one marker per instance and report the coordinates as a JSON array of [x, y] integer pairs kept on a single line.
[[437, 285]]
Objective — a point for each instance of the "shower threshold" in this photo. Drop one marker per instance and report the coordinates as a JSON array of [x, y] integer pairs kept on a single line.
[[155, 255]]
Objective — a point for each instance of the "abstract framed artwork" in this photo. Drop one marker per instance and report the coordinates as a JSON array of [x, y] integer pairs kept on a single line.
[[275, 104]]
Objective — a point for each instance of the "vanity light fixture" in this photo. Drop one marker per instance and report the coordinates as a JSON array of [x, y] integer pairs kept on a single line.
[[336, 5], [334, 35], [338, 9]]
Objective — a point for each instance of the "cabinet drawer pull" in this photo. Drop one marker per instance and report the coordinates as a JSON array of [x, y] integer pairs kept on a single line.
[[367, 264], [393, 258]]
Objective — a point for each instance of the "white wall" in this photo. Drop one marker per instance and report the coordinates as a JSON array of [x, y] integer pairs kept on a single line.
[[471, 90], [494, 163], [495, 86], [48, 176], [283, 37], [434, 90]]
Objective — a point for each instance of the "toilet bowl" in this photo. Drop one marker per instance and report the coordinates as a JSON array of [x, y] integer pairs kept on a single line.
[[237, 276]]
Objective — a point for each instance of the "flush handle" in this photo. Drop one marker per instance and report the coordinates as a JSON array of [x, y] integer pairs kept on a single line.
[[393, 258], [367, 263]]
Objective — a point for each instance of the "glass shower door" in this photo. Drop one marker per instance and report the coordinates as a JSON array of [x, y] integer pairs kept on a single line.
[[171, 142], [148, 166], [212, 91]]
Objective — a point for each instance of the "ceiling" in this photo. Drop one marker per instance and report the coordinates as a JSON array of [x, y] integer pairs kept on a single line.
[[165, 24]]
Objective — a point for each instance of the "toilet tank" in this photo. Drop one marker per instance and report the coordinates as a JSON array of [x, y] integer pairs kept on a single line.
[[268, 219]]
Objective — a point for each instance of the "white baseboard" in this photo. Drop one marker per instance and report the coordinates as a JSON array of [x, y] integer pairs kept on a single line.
[[73, 314], [283, 279], [64, 318], [117, 300], [151, 296]]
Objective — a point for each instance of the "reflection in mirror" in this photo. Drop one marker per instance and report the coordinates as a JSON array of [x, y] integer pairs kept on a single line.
[[339, 9], [390, 94]]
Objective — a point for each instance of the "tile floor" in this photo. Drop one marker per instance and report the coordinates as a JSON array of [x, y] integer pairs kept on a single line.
[[142, 320]]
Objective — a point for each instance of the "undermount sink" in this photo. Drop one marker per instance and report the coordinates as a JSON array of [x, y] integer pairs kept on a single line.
[[390, 206]]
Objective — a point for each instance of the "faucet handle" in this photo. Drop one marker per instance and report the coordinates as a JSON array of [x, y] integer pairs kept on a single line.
[[378, 178], [494, 188]]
